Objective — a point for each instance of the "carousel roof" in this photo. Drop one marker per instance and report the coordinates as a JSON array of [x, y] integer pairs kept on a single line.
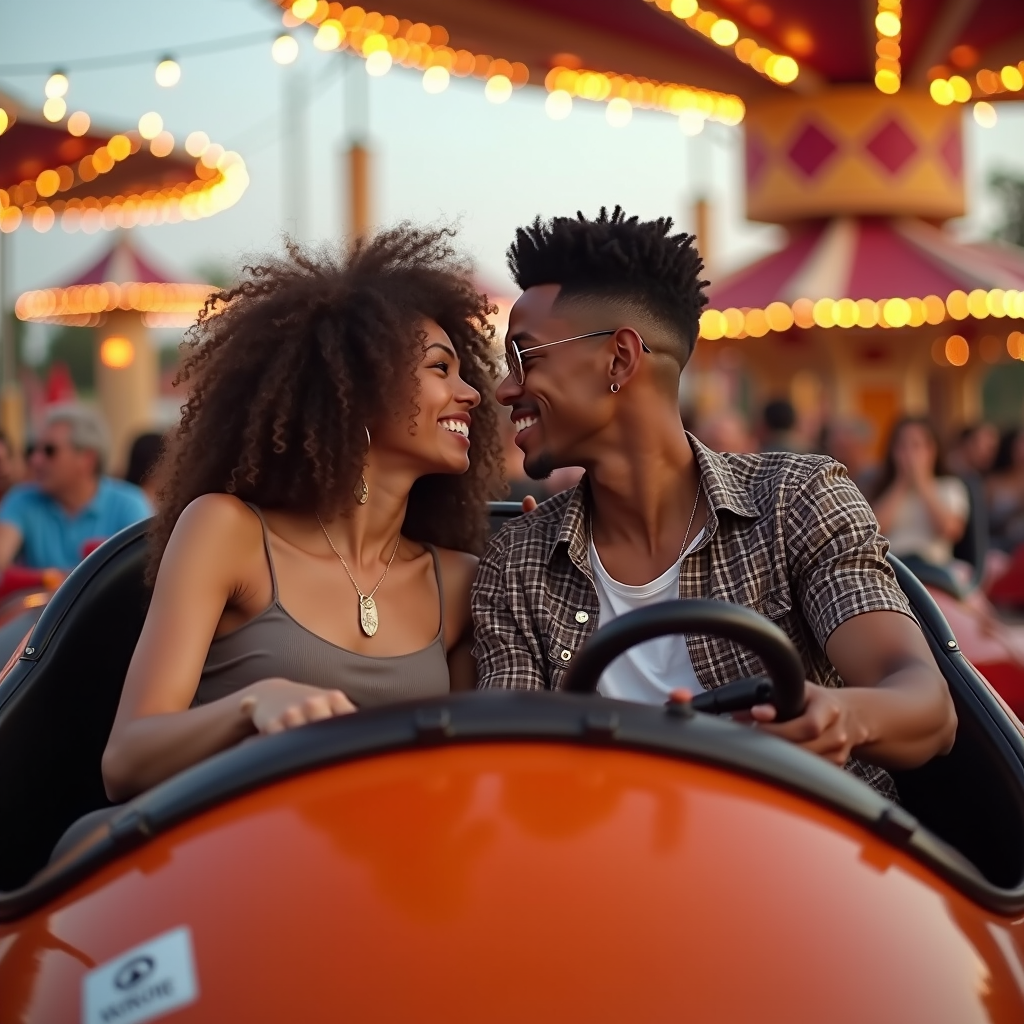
[[868, 272], [91, 178], [121, 279], [742, 47]]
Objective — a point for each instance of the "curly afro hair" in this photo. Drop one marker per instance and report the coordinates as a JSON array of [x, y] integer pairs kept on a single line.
[[617, 258], [287, 367]]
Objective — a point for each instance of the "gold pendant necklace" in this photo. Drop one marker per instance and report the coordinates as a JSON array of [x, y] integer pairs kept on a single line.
[[368, 618]]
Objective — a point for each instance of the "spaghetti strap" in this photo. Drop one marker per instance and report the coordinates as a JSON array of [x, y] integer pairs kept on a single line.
[[270, 557], [440, 585]]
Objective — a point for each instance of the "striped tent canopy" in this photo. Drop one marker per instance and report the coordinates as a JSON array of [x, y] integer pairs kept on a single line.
[[868, 272], [121, 279]]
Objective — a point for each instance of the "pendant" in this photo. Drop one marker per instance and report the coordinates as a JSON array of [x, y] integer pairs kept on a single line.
[[367, 615]]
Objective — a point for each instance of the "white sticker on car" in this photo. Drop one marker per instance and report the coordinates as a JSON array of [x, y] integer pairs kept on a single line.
[[143, 983]]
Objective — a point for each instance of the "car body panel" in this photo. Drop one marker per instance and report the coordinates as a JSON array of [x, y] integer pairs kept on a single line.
[[514, 881]]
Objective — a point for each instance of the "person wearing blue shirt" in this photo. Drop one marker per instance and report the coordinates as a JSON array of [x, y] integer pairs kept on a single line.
[[46, 524]]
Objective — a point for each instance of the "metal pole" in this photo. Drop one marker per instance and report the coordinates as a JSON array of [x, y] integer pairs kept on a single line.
[[357, 123], [295, 156], [11, 409]]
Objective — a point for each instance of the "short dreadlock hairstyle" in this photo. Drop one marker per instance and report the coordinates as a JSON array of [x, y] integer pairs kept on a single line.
[[618, 258], [288, 366]]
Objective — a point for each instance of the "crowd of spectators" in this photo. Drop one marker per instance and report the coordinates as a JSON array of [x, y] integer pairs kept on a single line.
[[954, 514]]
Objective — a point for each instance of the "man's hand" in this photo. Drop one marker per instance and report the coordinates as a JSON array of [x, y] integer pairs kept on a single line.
[[529, 504], [829, 725]]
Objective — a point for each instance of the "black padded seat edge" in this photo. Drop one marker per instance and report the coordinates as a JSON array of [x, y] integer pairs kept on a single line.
[[58, 702]]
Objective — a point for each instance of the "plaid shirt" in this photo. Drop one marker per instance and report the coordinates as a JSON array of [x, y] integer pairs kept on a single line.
[[788, 535]]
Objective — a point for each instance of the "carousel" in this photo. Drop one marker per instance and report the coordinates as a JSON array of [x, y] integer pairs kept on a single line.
[[59, 169]]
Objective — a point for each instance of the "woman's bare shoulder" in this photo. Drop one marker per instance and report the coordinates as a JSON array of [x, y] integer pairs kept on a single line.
[[216, 523]]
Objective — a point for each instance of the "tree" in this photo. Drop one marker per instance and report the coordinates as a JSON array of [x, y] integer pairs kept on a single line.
[[1010, 190]]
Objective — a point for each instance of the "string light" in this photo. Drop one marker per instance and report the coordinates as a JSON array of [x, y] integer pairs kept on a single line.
[[219, 182], [168, 73], [151, 125], [59, 305], [889, 28], [779, 67], [78, 123], [56, 86], [436, 79], [284, 49], [558, 105], [619, 112], [5, 120], [845, 313], [54, 109], [117, 353], [646, 94], [691, 122], [498, 88], [985, 114], [957, 89]]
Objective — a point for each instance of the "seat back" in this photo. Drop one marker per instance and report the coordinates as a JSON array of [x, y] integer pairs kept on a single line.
[[57, 703], [973, 545]]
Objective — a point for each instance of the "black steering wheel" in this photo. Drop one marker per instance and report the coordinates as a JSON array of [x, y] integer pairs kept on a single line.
[[784, 688]]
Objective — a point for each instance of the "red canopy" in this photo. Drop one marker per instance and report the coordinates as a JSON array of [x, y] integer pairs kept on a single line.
[[867, 258]]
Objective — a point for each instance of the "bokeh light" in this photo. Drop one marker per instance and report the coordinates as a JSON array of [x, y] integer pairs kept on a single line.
[[196, 143], [56, 86], [985, 114], [498, 88], [285, 49], [47, 183], [956, 350], [436, 79], [79, 122], [329, 36], [117, 353], [163, 144], [379, 63], [4, 120], [724, 32], [619, 112], [151, 125], [54, 109], [168, 73], [120, 147], [558, 105], [691, 122]]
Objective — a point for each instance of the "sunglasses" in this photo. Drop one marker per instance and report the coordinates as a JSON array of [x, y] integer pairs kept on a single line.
[[514, 354]]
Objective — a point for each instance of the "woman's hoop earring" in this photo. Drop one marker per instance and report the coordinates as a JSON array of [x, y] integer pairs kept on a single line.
[[362, 492], [615, 388]]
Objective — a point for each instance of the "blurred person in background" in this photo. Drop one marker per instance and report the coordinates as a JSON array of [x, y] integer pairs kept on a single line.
[[726, 431], [778, 431], [69, 502], [1005, 492], [11, 469], [142, 460], [974, 451], [849, 440], [922, 511]]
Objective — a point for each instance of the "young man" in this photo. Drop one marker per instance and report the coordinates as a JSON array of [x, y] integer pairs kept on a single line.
[[607, 321]]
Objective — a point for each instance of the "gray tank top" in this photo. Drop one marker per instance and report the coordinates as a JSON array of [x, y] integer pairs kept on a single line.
[[274, 644]]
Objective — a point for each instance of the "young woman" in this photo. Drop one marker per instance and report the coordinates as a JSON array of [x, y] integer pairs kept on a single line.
[[922, 511], [320, 504]]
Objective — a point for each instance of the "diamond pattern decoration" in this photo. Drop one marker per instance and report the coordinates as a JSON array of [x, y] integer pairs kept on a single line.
[[757, 158], [891, 146], [811, 150], [952, 152]]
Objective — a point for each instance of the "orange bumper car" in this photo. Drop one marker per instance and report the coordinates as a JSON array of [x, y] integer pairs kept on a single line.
[[502, 856]]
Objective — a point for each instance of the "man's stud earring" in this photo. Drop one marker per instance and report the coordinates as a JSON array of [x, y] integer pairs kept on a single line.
[[615, 389]]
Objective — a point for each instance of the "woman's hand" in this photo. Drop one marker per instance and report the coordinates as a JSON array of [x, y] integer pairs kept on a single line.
[[828, 726], [274, 705]]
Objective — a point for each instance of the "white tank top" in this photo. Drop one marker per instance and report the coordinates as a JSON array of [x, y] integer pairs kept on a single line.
[[648, 673]]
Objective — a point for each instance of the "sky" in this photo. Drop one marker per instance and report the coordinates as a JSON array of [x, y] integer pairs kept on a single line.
[[453, 157]]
